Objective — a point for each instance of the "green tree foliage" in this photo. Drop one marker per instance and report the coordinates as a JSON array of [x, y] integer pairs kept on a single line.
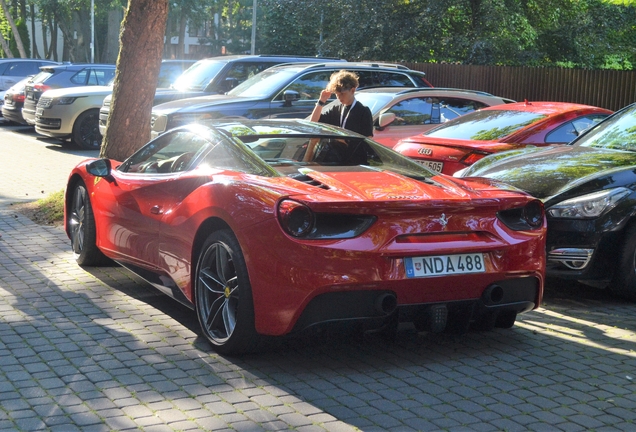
[[24, 34], [73, 19], [582, 33]]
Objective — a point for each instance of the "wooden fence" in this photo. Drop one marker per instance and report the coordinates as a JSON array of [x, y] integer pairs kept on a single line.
[[604, 88]]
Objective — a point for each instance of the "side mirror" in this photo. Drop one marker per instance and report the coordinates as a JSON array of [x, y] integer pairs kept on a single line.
[[99, 168], [290, 96], [385, 119]]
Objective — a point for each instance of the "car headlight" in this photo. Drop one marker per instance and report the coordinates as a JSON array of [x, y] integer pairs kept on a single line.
[[590, 205], [64, 100]]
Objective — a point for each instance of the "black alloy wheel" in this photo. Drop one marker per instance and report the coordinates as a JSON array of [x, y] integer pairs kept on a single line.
[[86, 131], [82, 230]]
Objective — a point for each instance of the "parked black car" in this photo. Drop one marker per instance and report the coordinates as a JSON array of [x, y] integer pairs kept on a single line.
[[215, 75], [283, 91], [61, 76], [589, 191]]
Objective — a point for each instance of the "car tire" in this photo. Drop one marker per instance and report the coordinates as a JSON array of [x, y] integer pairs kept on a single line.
[[223, 295], [81, 225], [623, 283], [86, 131]]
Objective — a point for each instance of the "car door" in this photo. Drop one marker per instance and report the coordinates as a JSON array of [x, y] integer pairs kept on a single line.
[[143, 190]]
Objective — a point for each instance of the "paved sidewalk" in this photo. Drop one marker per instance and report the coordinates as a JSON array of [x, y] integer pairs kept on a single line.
[[33, 169], [96, 350]]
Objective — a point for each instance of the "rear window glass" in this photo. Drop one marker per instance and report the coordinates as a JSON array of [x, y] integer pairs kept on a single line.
[[41, 77], [485, 125]]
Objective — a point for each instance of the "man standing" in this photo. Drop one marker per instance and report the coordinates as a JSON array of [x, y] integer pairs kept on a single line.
[[349, 113]]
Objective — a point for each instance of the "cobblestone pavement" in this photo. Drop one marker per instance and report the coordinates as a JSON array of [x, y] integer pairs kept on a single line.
[[95, 349]]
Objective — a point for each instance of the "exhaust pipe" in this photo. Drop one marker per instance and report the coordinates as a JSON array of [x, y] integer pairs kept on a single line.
[[493, 294], [386, 303]]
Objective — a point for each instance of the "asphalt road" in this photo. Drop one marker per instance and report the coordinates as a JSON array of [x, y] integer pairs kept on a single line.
[[95, 349]]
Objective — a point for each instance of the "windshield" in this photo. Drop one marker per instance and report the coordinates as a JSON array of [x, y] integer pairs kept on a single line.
[[294, 152], [192, 147], [486, 125], [264, 84], [198, 76], [617, 132], [375, 101]]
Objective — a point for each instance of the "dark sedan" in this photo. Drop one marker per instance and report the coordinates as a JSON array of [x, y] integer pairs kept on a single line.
[[589, 192]]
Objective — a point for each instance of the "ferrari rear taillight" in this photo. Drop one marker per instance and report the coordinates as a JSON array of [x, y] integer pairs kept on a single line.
[[528, 217], [299, 221], [295, 218]]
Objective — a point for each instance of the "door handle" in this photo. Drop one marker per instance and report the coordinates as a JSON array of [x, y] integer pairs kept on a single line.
[[156, 210]]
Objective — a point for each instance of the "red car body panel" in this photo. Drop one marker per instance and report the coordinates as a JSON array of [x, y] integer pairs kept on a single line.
[[153, 225], [456, 154]]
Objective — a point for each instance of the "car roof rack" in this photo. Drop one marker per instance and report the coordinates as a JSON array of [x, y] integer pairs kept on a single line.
[[345, 65], [402, 90], [362, 64], [477, 92]]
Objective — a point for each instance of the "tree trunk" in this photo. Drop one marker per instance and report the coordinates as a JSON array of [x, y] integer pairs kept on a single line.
[[14, 29], [136, 78], [45, 42], [183, 22], [5, 46], [34, 48]]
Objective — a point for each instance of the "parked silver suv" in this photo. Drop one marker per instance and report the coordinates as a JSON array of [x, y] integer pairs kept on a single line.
[[62, 76]]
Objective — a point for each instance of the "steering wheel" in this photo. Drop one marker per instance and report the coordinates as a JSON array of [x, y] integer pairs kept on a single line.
[[149, 167], [181, 162]]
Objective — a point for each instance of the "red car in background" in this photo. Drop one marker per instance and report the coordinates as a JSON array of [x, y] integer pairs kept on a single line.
[[271, 227], [461, 142]]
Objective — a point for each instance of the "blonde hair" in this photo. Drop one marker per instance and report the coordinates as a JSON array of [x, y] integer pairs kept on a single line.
[[342, 80]]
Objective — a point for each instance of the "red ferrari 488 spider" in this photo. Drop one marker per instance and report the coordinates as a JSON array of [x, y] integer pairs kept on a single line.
[[271, 227]]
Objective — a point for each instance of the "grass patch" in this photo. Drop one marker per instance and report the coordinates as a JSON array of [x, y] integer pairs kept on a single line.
[[45, 211]]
